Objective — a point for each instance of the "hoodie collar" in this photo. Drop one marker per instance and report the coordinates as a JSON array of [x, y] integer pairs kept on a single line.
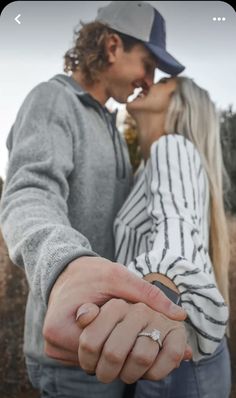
[[69, 81], [83, 95]]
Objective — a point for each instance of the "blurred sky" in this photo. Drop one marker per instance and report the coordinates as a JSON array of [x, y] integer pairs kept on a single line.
[[33, 51]]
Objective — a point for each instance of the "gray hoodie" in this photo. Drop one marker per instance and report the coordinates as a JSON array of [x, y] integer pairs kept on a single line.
[[68, 175]]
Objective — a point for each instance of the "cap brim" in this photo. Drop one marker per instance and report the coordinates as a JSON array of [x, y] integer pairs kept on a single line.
[[165, 61]]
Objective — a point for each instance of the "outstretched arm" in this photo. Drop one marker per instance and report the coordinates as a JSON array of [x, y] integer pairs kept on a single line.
[[62, 269]]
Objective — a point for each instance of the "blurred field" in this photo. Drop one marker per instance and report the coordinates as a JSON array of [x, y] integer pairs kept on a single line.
[[13, 291]]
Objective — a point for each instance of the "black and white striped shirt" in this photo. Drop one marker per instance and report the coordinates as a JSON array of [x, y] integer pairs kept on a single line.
[[164, 227]]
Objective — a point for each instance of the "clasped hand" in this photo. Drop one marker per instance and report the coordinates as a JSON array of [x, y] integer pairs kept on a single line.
[[107, 335], [110, 347]]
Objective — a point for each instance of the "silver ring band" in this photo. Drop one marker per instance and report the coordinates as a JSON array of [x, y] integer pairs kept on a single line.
[[155, 335]]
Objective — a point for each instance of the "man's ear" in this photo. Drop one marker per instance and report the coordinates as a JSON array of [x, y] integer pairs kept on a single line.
[[114, 46]]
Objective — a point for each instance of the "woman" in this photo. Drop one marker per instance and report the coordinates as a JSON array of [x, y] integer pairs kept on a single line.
[[172, 228]]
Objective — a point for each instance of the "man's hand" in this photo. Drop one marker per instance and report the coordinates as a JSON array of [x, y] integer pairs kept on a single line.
[[94, 280]]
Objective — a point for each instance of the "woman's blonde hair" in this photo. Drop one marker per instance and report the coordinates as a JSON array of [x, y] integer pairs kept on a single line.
[[192, 114]]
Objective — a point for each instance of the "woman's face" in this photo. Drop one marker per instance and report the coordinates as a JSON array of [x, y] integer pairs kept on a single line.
[[157, 99]]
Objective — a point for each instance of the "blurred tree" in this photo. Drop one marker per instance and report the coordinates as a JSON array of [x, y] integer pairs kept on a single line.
[[228, 140], [130, 134]]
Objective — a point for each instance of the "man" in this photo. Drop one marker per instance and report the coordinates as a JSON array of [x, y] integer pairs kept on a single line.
[[68, 175]]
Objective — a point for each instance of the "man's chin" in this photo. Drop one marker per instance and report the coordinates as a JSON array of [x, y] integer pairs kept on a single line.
[[121, 100], [129, 107], [124, 99]]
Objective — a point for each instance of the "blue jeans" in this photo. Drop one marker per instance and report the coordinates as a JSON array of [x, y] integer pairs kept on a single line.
[[69, 382], [208, 378]]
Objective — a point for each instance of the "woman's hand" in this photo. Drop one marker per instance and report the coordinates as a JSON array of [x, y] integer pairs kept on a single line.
[[110, 346]]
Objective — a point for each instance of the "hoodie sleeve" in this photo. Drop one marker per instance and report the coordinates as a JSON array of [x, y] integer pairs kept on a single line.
[[178, 204], [34, 210]]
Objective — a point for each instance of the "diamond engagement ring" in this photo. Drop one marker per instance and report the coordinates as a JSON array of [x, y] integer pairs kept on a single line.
[[154, 335]]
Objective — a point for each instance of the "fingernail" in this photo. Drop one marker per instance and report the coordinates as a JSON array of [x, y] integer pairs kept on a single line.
[[80, 312]]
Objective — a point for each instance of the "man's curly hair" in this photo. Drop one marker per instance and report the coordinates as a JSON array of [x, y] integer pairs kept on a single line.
[[89, 51]]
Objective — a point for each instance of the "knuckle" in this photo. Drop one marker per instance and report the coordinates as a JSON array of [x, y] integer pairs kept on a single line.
[[112, 357], [86, 345], [152, 375], [141, 360], [103, 378], [51, 334], [127, 379], [117, 304], [48, 329], [49, 350]]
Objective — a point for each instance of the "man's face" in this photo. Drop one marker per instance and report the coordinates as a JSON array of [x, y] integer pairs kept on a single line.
[[129, 70]]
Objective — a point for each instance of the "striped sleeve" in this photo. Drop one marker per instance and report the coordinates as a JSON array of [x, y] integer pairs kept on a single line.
[[178, 203]]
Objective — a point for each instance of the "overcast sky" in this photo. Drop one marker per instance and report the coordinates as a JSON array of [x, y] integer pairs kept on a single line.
[[32, 51]]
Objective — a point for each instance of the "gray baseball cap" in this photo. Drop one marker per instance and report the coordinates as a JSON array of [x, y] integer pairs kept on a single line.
[[140, 20]]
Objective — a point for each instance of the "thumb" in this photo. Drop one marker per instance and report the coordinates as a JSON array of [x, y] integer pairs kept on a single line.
[[135, 289], [86, 314]]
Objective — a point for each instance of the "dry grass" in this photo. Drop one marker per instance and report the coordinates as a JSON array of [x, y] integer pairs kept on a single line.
[[13, 291]]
